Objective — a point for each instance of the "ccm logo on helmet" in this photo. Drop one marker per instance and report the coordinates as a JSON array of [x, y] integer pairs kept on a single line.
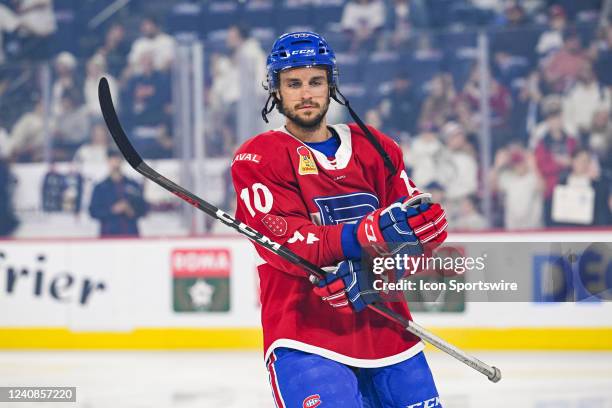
[[312, 401], [309, 51]]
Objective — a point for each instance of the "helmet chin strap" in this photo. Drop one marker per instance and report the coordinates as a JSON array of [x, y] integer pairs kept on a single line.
[[268, 107], [337, 96]]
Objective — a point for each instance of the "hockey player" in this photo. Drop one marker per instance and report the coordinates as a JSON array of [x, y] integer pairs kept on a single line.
[[325, 192]]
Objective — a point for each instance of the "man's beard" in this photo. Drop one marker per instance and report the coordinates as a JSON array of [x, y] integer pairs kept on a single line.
[[310, 124]]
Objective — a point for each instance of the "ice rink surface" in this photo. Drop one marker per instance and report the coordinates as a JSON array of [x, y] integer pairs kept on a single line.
[[239, 379]]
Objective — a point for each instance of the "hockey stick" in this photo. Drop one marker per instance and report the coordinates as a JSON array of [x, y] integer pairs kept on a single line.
[[134, 160]]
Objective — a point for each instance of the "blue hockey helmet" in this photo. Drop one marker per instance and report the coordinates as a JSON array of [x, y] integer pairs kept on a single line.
[[301, 49], [308, 49]]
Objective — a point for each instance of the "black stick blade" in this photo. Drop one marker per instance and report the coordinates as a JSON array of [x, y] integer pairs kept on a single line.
[[114, 126]]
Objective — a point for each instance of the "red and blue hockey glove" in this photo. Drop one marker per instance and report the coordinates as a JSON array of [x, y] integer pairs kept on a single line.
[[386, 231], [404, 227], [428, 222], [348, 288]]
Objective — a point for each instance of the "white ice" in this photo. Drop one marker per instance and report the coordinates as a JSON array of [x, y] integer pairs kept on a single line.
[[239, 379]]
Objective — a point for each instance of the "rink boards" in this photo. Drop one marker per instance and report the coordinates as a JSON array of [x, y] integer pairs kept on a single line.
[[203, 293]]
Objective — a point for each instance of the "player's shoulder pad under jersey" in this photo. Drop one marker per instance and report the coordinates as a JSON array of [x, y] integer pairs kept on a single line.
[[261, 150], [388, 144]]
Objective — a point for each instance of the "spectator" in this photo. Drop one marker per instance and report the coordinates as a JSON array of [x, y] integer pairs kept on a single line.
[[96, 69], [515, 16], [437, 193], [467, 117], [437, 108], [403, 16], [563, 66], [551, 111], [246, 49], [115, 50], [599, 140], [493, 5], [249, 59], [37, 24], [514, 175], [95, 150], [551, 40], [534, 7], [585, 98], [8, 23], [401, 106], [223, 96], [584, 175], [526, 106], [27, 136], [37, 16], [603, 64], [70, 127], [500, 99], [508, 68], [146, 96], [154, 42], [470, 219], [426, 50], [8, 219], [457, 168], [117, 202], [553, 155], [65, 81], [583, 10], [423, 156], [362, 20], [19, 82]]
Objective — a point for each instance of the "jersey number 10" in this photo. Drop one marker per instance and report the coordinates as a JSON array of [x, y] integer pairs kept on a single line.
[[262, 198]]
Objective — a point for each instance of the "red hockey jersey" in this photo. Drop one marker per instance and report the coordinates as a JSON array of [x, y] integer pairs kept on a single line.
[[299, 198]]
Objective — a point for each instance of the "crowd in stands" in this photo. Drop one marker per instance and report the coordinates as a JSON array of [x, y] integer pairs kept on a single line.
[[410, 67], [138, 72]]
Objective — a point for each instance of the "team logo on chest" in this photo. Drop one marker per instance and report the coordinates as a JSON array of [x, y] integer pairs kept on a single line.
[[307, 162]]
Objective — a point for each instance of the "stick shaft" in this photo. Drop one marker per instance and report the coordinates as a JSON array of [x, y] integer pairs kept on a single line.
[[134, 159]]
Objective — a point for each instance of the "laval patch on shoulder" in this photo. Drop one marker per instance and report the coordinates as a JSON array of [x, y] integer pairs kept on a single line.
[[252, 157]]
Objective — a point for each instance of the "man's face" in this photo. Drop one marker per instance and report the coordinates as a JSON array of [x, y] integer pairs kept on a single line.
[[558, 22], [116, 33], [456, 140], [114, 164], [148, 28], [233, 39], [581, 163], [401, 84], [98, 135], [572, 44], [304, 95], [554, 122]]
